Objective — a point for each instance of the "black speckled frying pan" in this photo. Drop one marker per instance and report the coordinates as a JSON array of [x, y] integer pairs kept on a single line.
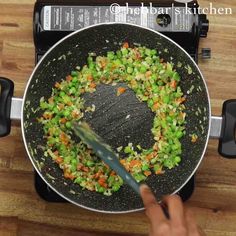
[[109, 119]]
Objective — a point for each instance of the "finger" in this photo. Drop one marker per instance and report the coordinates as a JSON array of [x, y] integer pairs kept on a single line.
[[191, 224], [153, 209], [200, 231], [164, 229], [176, 209]]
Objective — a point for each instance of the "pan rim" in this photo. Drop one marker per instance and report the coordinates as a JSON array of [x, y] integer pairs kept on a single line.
[[32, 75]]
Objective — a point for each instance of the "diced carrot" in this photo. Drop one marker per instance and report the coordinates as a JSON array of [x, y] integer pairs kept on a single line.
[[92, 85], [137, 55], [113, 173], [63, 120], [85, 168], [59, 160], [72, 177], [147, 173], [158, 172], [148, 74], [75, 114], [47, 116], [56, 152], [127, 167], [155, 106], [103, 63], [102, 182], [62, 136], [68, 175], [135, 163], [122, 161], [149, 156], [155, 153], [64, 139], [69, 78], [51, 100], [180, 100], [97, 175], [90, 77], [120, 91], [57, 85], [66, 142], [105, 185], [61, 106], [173, 84], [79, 166], [125, 45]]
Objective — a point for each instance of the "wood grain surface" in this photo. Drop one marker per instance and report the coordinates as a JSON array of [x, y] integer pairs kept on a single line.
[[23, 213]]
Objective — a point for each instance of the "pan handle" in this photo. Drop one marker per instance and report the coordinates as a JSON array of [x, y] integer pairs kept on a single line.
[[227, 144], [6, 93]]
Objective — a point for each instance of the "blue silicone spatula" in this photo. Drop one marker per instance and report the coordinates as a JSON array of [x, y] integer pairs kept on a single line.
[[105, 152]]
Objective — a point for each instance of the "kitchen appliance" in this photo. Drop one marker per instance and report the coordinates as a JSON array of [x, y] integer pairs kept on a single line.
[[70, 53], [54, 20]]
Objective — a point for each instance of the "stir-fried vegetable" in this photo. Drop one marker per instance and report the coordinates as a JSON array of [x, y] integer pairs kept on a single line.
[[154, 81]]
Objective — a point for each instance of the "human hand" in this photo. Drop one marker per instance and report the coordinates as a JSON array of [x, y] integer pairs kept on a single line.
[[180, 222]]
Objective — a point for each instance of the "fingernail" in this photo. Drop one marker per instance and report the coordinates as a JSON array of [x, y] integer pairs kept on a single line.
[[144, 187]]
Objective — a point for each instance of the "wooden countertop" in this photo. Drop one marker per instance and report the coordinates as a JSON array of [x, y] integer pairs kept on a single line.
[[23, 213]]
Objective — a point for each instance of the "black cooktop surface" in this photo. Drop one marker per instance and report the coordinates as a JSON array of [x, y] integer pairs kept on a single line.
[[187, 33]]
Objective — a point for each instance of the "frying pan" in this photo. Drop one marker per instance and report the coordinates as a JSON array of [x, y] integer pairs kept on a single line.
[[109, 121]]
